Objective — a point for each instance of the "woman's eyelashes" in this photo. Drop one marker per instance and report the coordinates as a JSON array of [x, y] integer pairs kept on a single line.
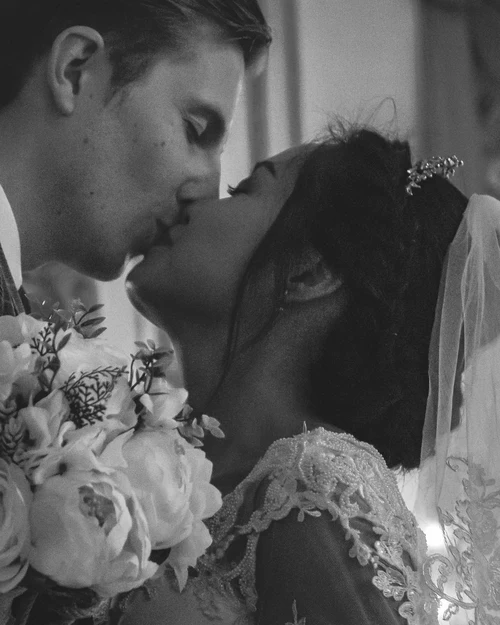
[[243, 187]]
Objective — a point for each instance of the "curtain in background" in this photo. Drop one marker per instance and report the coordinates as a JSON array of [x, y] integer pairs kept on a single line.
[[485, 48], [459, 83]]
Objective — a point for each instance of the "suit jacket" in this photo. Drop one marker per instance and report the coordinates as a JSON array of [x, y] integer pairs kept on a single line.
[[10, 299]]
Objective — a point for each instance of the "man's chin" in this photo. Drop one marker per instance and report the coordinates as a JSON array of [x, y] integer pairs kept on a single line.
[[138, 287], [134, 271], [139, 296], [97, 271]]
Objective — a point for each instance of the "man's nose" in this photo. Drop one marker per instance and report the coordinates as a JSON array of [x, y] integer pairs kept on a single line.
[[203, 185]]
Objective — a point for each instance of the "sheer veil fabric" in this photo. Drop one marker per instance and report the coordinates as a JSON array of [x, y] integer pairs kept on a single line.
[[459, 480]]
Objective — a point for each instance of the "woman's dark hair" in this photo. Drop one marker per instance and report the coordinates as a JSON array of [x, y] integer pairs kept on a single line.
[[349, 203], [136, 31]]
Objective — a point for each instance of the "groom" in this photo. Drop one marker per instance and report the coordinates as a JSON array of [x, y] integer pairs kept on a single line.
[[113, 117]]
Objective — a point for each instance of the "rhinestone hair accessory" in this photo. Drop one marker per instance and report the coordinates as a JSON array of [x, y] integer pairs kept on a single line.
[[435, 166]]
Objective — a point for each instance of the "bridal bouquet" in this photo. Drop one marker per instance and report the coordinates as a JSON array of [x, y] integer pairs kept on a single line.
[[99, 462]]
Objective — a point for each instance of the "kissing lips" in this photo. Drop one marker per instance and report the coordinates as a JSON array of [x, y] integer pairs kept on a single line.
[[162, 237]]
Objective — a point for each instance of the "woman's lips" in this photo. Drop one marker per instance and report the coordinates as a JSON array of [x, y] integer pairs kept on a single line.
[[163, 237]]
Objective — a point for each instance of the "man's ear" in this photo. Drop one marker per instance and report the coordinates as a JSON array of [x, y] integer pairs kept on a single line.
[[312, 279], [72, 53]]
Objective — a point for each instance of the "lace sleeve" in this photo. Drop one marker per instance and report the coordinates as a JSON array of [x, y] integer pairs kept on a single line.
[[307, 565], [305, 483]]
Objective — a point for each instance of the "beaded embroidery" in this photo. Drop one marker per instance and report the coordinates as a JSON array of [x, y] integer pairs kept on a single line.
[[314, 472]]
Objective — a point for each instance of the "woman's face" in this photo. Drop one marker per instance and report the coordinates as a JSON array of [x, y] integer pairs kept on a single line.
[[194, 274]]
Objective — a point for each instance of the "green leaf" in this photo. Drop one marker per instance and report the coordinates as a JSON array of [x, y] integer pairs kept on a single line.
[[160, 355], [92, 322], [64, 314], [97, 333], [63, 342], [78, 306], [198, 430], [95, 308], [151, 344]]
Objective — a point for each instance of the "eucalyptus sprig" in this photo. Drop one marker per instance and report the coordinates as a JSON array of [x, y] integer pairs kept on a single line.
[[148, 362], [193, 428], [48, 345], [77, 317]]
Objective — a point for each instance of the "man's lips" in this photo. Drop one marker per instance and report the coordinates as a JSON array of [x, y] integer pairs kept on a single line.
[[164, 234], [163, 238], [159, 236]]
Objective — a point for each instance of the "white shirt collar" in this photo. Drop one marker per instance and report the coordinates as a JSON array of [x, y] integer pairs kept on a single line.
[[9, 239]]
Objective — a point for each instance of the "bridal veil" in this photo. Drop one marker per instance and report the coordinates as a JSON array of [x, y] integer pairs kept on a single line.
[[459, 479]]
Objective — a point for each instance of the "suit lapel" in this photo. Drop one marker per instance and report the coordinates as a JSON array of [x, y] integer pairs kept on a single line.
[[10, 301]]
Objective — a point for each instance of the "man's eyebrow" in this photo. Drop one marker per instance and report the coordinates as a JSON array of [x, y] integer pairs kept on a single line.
[[269, 165]]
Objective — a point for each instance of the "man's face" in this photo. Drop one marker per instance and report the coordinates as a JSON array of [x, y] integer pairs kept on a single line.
[[130, 165]]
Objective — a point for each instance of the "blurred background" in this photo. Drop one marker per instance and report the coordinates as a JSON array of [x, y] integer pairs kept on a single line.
[[427, 69]]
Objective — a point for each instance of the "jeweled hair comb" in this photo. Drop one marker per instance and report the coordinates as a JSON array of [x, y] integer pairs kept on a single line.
[[435, 166]]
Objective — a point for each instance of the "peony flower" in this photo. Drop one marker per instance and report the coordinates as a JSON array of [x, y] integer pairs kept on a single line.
[[86, 449], [15, 499], [163, 403], [88, 530], [172, 482]]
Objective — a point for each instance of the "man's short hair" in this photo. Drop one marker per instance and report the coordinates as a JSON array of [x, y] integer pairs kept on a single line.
[[135, 32]]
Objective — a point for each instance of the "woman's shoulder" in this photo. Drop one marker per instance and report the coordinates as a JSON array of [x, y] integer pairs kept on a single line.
[[276, 551], [322, 470], [317, 476]]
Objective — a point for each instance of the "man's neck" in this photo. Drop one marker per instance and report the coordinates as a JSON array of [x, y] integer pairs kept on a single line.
[[19, 178]]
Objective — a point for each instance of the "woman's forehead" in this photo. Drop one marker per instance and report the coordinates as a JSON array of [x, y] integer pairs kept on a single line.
[[287, 164], [291, 155]]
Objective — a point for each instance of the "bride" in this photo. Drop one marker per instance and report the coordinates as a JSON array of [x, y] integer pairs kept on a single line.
[[301, 309]]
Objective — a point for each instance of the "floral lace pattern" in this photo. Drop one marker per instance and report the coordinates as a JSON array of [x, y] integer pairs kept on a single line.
[[314, 472], [472, 536]]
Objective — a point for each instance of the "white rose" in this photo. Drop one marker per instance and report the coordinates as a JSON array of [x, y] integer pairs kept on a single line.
[[14, 362], [15, 499], [120, 414], [204, 502], [17, 363], [20, 329], [30, 327], [163, 403], [172, 482], [82, 355], [88, 530], [44, 420]]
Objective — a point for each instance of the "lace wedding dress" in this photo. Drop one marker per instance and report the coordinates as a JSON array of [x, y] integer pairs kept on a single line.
[[318, 533]]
